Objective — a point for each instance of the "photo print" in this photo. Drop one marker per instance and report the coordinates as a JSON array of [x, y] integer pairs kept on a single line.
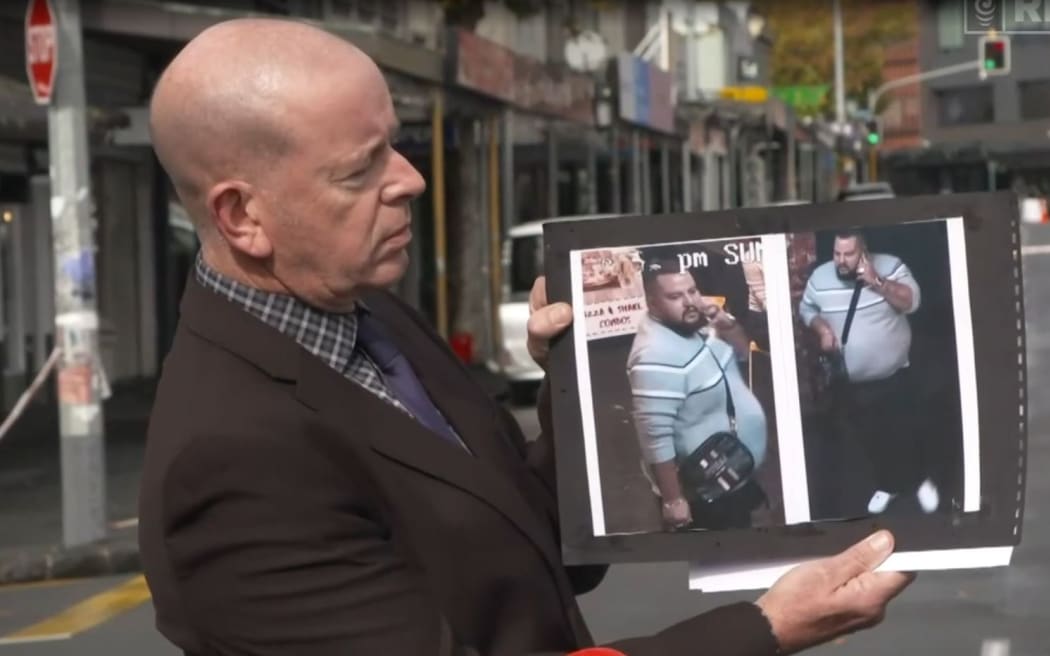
[[679, 397], [753, 388], [881, 373], [727, 384]]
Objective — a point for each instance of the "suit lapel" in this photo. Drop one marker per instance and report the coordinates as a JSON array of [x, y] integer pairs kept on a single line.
[[484, 473]]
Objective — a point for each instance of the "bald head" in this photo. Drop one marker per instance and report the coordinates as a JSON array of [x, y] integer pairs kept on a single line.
[[232, 101]]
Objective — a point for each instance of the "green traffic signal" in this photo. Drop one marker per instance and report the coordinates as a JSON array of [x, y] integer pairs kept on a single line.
[[873, 138], [989, 64]]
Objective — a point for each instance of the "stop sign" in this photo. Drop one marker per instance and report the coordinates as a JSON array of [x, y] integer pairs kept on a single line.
[[41, 49]]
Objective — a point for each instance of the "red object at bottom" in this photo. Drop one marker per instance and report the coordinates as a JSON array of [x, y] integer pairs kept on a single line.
[[463, 346], [597, 651]]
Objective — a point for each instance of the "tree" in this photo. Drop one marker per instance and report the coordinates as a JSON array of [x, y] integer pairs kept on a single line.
[[804, 43]]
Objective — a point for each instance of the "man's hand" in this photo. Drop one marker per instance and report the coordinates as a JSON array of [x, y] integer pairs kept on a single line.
[[719, 318], [866, 272], [828, 343], [821, 600], [545, 321], [677, 513]]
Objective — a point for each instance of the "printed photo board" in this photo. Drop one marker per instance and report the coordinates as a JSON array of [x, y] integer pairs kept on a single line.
[[747, 389]]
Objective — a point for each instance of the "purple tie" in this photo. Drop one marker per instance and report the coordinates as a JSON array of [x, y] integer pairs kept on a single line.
[[400, 377]]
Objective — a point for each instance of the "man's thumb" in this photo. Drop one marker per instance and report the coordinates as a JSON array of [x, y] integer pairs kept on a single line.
[[864, 556]]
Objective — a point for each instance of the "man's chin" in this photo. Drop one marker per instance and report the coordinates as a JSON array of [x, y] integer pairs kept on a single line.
[[390, 269], [687, 326]]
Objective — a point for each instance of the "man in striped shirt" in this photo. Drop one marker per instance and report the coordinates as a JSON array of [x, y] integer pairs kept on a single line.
[[682, 360], [873, 405]]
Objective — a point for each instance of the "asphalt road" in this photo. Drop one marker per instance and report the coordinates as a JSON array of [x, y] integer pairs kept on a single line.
[[993, 612]]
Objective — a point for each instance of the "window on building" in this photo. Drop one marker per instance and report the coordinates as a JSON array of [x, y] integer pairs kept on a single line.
[[950, 24], [366, 11], [390, 17], [1035, 99], [342, 8], [965, 105], [387, 15]]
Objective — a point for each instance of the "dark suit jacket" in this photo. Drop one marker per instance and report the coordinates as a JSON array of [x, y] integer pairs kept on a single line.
[[287, 511]]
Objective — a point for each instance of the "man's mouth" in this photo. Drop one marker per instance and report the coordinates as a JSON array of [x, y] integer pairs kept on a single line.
[[402, 235]]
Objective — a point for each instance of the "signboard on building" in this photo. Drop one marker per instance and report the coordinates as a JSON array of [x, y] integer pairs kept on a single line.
[[745, 94], [746, 69], [529, 84], [806, 99], [644, 93], [41, 43]]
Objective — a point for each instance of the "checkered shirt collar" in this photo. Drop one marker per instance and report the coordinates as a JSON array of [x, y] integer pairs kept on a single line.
[[326, 335]]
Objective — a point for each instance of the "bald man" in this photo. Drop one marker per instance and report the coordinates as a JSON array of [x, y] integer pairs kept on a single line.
[[322, 475]]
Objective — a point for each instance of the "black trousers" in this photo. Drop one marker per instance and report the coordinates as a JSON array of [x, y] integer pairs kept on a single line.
[[731, 511], [881, 417]]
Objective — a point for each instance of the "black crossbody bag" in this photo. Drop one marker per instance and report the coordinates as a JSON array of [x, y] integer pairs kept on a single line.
[[833, 365], [722, 464]]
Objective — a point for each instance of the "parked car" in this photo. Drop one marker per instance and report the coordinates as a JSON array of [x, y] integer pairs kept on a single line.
[[522, 263], [867, 191]]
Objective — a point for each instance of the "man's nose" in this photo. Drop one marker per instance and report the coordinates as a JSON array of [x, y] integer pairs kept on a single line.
[[406, 182]]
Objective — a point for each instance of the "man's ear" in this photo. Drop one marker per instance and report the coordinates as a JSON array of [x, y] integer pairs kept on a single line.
[[235, 210]]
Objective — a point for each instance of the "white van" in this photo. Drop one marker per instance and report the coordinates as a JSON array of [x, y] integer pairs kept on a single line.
[[522, 264]]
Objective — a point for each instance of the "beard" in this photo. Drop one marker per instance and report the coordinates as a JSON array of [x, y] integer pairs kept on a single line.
[[691, 320], [847, 275]]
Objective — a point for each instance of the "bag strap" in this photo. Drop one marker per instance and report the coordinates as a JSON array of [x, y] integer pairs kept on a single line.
[[730, 406], [852, 309]]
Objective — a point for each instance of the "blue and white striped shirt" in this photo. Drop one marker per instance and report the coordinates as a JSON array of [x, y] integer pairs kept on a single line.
[[880, 335], [679, 394]]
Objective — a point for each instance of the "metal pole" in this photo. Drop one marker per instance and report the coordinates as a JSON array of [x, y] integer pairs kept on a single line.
[[873, 96], [481, 147], [617, 179], [645, 175], [592, 176], [791, 171], [665, 176], [80, 377], [437, 156], [636, 173], [552, 172], [687, 178], [495, 235], [507, 170], [840, 75]]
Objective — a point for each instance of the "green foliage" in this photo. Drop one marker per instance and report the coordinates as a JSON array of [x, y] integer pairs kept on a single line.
[[804, 43]]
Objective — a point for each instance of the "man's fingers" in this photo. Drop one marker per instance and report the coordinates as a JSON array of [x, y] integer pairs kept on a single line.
[[548, 321], [862, 557], [538, 295]]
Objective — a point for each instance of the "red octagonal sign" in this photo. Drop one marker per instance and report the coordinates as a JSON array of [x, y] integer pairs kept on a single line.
[[41, 49]]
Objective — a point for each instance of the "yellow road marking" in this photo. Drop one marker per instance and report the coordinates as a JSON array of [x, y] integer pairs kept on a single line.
[[46, 638], [87, 614], [49, 583]]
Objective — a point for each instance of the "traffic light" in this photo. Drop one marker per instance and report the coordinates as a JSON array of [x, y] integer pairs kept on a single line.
[[874, 137], [995, 55]]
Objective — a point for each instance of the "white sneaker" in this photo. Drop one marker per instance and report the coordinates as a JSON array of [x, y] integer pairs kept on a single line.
[[879, 501], [929, 499]]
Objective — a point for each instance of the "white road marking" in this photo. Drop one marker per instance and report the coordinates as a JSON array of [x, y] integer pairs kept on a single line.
[[1035, 249], [995, 647]]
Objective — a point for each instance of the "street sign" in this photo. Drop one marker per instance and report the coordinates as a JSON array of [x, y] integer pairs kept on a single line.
[[746, 94], [41, 49]]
